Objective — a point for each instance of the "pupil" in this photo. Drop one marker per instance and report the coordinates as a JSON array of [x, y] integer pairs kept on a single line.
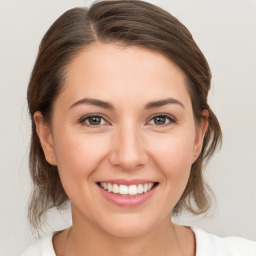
[[159, 120], [94, 120]]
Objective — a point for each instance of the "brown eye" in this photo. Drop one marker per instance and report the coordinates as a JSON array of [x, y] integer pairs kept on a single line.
[[93, 120], [159, 120], [162, 119]]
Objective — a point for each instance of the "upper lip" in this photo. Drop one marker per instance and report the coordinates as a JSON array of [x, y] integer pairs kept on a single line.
[[127, 182]]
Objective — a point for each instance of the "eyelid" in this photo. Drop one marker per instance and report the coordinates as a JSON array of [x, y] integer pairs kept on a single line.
[[83, 118], [170, 117]]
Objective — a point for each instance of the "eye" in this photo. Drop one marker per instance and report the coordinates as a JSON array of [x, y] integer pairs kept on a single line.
[[162, 119], [93, 120]]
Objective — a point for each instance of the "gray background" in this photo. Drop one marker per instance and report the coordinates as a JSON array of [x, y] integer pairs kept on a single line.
[[224, 30]]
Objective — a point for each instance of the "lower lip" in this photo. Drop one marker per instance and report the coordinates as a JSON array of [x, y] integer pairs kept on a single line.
[[128, 201]]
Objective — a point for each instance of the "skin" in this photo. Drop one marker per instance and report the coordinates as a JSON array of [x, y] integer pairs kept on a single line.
[[128, 144]]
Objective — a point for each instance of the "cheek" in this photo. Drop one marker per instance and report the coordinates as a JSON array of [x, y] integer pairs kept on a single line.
[[78, 156], [173, 156], [173, 151]]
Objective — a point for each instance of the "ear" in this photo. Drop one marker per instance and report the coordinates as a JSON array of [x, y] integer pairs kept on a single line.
[[201, 129], [45, 136]]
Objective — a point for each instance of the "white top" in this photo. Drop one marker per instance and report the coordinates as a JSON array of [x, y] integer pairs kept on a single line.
[[206, 245]]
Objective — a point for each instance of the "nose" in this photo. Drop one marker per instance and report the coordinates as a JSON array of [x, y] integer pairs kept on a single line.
[[128, 150]]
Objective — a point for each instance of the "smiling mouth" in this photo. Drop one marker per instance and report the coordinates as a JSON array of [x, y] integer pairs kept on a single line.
[[127, 190]]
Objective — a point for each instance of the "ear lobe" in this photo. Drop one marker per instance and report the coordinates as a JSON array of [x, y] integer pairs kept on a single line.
[[45, 136], [200, 133]]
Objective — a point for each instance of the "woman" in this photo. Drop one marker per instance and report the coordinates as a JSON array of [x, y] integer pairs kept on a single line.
[[121, 128]]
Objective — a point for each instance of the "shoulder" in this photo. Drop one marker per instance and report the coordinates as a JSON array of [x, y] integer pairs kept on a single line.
[[222, 246], [42, 247]]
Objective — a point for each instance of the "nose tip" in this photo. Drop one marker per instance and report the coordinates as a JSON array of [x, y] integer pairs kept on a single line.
[[128, 151]]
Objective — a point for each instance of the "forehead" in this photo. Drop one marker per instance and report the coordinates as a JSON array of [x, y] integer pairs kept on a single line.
[[111, 71]]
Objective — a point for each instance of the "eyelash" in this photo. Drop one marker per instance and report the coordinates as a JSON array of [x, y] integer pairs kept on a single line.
[[86, 118], [162, 115]]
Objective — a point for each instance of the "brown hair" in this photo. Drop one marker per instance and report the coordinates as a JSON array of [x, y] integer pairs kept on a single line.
[[129, 22]]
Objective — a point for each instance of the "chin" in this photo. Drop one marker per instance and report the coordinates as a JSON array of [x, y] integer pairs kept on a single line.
[[129, 227]]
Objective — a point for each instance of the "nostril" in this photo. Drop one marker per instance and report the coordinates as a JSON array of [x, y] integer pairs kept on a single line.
[[128, 154]]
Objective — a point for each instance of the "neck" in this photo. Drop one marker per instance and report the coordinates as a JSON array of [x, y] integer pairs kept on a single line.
[[87, 239]]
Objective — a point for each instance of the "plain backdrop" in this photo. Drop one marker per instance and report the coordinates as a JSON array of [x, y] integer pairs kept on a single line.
[[225, 30]]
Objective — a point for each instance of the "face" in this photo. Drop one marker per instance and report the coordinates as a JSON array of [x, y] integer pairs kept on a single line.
[[123, 137]]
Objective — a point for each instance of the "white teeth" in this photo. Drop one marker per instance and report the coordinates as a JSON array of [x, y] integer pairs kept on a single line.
[[145, 188], [150, 185], [132, 190], [127, 190], [140, 189], [109, 187], [123, 190], [115, 189]]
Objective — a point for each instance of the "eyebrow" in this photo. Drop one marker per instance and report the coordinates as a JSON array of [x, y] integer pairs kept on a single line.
[[95, 102], [160, 103], [107, 105]]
